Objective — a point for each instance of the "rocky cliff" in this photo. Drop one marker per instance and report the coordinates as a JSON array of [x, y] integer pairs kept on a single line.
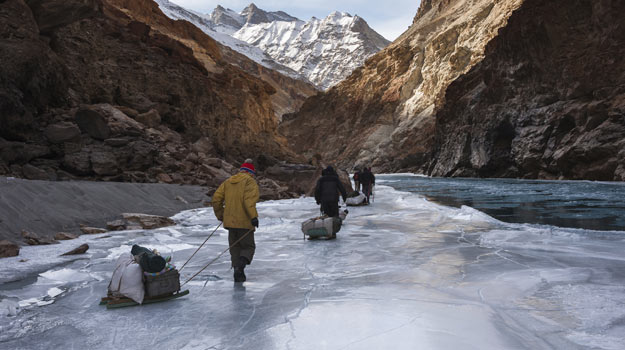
[[383, 113], [547, 101], [115, 90], [507, 88]]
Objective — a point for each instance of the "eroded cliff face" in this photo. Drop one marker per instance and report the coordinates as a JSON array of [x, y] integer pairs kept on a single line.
[[115, 90], [510, 88], [547, 101], [383, 114]]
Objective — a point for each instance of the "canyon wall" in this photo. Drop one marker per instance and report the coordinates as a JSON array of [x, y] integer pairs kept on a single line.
[[547, 101], [115, 90], [510, 88], [383, 114]]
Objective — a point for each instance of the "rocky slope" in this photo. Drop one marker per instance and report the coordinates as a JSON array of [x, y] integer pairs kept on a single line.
[[115, 90], [543, 99]]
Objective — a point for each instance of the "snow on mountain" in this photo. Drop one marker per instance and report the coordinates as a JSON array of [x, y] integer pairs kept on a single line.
[[222, 34], [322, 51]]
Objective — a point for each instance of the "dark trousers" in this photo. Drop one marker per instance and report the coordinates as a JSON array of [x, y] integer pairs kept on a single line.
[[245, 247], [331, 208], [366, 189]]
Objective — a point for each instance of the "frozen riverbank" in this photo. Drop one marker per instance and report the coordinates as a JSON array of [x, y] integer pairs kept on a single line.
[[404, 273], [48, 207]]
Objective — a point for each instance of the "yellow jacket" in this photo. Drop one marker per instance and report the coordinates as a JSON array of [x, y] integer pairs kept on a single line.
[[234, 202]]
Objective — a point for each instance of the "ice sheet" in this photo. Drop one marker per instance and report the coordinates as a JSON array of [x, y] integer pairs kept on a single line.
[[404, 273]]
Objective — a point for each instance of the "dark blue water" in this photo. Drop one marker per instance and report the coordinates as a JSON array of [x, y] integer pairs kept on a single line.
[[577, 204]]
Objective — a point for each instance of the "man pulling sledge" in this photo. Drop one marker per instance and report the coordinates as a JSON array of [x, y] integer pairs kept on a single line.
[[234, 203], [367, 180], [327, 192]]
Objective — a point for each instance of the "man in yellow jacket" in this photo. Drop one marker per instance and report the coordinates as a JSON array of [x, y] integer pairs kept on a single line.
[[234, 203]]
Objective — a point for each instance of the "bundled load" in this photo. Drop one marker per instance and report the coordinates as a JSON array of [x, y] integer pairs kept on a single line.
[[357, 199], [323, 226], [142, 276]]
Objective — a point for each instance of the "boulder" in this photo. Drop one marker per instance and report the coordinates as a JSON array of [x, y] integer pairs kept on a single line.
[[103, 120], [80, 250], [203, 145], [117, 225], [62, 132], [20, 152], [31, 172], [92, 121], [91, 230], [271, 190], [64, 236], [147, 221], [214, 162], [150, 119], [132, 113], [141, 155], [162, 177], [78, 163], [8, 249], [104, 163], [34, 239]]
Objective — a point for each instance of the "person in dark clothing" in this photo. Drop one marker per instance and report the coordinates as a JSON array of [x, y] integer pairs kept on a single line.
[[367, 180], [356, 178], [327, 192]]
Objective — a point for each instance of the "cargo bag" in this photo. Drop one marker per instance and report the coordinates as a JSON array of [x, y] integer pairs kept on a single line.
[[322, 227], [357, 200], [162, 284]]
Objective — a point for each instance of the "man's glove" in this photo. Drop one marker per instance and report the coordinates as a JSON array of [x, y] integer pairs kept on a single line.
[[255, 222]]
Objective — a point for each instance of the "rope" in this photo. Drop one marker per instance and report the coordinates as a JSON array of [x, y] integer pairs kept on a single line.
[[218, 256], [201, 245]]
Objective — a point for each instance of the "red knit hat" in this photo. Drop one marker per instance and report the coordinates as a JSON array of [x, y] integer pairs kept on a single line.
[[249, 167]]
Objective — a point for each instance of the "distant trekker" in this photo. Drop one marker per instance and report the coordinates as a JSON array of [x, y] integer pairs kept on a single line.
[[327, 192], [234, 203], [367, 180], [356, 178]]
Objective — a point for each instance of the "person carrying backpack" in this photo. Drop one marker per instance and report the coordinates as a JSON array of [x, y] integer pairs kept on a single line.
[[327, 192], [367, 180], [356, 178]]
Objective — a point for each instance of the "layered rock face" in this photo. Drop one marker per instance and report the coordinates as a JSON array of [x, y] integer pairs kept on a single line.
[[548, 100], [115, 90], [383, 113], [544, 98]]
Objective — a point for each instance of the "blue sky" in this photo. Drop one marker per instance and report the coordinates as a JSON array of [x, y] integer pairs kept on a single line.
[[389, 18]]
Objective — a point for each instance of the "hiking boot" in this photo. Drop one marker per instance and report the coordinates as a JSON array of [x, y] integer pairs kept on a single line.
[[239, 270], [239, 274]]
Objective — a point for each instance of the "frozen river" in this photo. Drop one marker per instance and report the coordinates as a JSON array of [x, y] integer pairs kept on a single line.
[[404, 273]]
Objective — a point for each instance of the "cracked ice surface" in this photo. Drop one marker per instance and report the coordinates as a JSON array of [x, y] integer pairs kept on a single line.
[[404, 273]]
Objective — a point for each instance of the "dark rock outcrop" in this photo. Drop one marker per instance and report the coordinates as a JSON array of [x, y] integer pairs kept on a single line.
[[547, 101], [8, 249], [114, 90], [82, 249]]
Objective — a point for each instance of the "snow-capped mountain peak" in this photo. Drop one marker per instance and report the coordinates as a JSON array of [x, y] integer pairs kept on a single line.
[[322, 51]]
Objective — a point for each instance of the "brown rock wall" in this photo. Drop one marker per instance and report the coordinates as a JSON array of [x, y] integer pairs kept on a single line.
[[383, 114], [115, 90], [548, 100]]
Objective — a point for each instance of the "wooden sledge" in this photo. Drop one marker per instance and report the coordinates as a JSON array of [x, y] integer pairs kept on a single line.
[[114, 303]]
